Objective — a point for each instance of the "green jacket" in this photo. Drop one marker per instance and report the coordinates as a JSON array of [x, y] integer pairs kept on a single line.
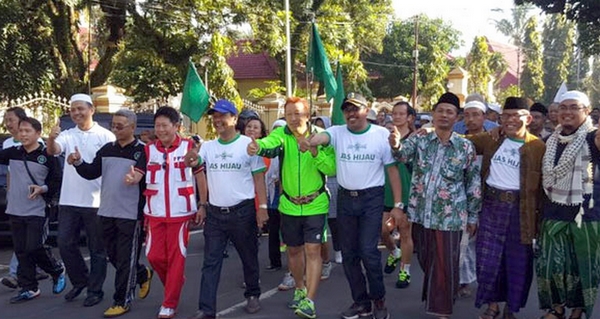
[[301, 174]]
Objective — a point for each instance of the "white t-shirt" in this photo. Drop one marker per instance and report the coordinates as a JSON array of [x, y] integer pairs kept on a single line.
[[505, 166], [229, 171], [360, 157], [75, 190]]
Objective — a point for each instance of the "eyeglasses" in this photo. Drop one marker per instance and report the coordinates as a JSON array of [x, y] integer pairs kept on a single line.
[[508, 116], [117, 127], [570, 108]]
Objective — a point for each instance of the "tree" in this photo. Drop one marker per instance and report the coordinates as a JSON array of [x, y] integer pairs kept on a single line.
[[578, 70], [557, 40], [515, 29], [532, 81], [394, 65], [349, 30], [582, 12], [479, 67], [593, 82]]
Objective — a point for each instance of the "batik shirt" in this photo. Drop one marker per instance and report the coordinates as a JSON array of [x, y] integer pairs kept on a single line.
[[445, 192]]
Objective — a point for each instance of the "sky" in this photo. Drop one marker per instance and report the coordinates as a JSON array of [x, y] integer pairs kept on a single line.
[[470, 17]]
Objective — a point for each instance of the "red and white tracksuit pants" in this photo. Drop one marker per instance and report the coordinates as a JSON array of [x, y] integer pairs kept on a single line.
[[166, 246]]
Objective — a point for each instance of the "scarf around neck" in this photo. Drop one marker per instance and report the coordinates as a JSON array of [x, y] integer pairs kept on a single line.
[[567, 182]]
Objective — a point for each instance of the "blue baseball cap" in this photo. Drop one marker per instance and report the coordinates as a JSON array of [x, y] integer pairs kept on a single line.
[[223, 106]]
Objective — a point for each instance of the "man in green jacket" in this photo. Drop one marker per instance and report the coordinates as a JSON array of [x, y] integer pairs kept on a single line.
[[304, 200]]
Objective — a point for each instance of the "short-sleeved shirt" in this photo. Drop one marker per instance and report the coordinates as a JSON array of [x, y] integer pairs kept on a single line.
[[75, 190], [229, 170], [113, 162], [43, 168], [505, 166], [360, 156]]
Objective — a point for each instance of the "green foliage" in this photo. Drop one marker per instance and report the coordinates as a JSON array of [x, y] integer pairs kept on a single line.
[[25, 66], [272, 87], [532, 79], [515, 27], [511, 90], [578, 70], [394, 66], [593, 82], [557, 40], [582, 12], [348, 29], [479, 67]]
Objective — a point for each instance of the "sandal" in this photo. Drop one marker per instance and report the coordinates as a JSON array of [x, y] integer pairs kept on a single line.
[[490, 313], [554, 313]]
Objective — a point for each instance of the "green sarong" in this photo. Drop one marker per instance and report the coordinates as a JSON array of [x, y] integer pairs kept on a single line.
[[568, 268]]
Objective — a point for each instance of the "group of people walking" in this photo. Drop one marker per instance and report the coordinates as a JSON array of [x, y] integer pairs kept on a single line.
[[490, 205]]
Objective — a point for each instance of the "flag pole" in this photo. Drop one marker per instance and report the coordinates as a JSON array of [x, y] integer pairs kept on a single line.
[[309, 79]]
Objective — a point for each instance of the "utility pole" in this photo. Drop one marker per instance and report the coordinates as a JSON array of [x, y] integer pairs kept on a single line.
[[416, 61]]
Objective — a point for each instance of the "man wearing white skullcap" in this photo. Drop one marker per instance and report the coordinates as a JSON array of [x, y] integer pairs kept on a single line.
[[461, 128], [569, 238], [474, 116], [79, 200]]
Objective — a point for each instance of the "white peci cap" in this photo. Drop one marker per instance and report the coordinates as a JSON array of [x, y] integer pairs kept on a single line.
[[81, 97]]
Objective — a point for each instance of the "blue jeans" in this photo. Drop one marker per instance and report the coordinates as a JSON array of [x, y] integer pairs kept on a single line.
[[359, 227], [71, 220], [239, 226]]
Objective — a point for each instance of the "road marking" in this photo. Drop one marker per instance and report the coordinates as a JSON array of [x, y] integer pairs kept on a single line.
[[233, 308]]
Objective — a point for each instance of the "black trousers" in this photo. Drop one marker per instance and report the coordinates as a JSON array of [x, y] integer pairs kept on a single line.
[[28, 237], [71, 220], [333, 228], [274, 237], [121, 241]]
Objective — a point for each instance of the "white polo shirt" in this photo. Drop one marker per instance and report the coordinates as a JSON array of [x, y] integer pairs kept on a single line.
[[75, 190], [229, 171], [360, 157]]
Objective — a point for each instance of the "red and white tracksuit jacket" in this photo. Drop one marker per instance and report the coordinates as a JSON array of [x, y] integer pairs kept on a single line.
[[170, 205]]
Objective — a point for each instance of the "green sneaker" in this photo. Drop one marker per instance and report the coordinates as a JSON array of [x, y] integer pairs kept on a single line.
[[306, 309], [403, 279], [391, 264], [299, 295]]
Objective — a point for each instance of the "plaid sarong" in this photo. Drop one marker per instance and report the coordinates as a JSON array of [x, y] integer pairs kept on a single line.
[[568, 269], [504, 265]]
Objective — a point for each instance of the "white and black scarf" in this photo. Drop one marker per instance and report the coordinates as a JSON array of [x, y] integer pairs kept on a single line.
[[567, 182]]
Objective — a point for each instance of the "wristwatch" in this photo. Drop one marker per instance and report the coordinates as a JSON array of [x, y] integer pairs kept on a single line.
[[399, 205]]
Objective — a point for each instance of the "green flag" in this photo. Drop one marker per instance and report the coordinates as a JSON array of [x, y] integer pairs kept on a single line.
[[337, 116], [318, 64], [195, 97]]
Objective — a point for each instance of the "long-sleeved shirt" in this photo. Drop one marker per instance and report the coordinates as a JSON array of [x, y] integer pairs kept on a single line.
[[445, 191]]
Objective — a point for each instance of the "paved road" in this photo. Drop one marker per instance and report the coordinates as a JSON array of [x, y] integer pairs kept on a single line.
[[333, 296]]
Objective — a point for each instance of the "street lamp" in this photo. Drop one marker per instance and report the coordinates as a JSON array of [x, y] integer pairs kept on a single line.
[[204, 63]]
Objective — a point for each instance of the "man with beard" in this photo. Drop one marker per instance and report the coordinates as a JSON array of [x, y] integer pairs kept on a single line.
[[567, 268]]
